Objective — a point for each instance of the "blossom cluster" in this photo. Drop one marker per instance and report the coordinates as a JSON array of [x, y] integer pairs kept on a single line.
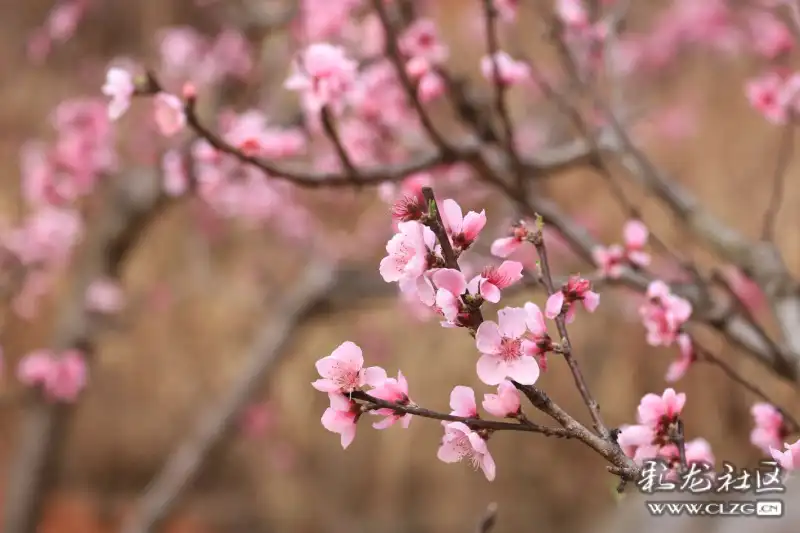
[[513, 349], [654, 435]]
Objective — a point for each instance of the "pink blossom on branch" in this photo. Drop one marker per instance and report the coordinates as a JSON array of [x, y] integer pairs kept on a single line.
[[577, 289], [505, 246], [119, 86], [540, 342], [324, 76], [61, 377], [395, 391], [343, 371], [492, 280], [504, 404], [407, 255], [168, 113], [450, 285], [788, 459], [663, 314], [503, 351], [462, 229], [105, 296], [612, 259], [509, 71], [686, 357], [770, 429], [341, 417], [421, 40], [460, 443], [462, 402], [572, 13], [506, 9]]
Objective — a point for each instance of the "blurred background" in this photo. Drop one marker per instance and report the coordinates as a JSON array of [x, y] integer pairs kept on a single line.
[[196, 298]]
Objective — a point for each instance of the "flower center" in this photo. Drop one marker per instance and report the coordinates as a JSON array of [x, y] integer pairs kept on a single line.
[[510, 349]]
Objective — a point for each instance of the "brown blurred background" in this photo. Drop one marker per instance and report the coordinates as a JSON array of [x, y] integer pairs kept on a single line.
[[164, 365]]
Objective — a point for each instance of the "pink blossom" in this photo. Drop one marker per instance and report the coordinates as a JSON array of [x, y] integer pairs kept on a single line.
[[660, 411], [395, 391], [505, 403], [229, 55], [770, 37], [636, 442], [766, 94], [324, 75], [635, 235], [407, 255], [663, 314], [460, 442], [119, 86], [168, 113], [789, 459], [502, 350], [610, 260], [540, 341], [770, 428], [697, 451], [462, 230], [462, 402], [687, 356], [47, 236], [506, 9], [450, 284], [105, 296], [61, 377], [342, 370], [505, 246], [509, 71], [431, 86], [34, 368], [251, 133], [341, 417], [492, 280], [181, 50], [572, 13], [575, 290], [421, 39]]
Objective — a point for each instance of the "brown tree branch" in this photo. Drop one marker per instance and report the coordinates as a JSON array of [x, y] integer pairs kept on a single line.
[[133, 202], [488, 520], [184, 464]]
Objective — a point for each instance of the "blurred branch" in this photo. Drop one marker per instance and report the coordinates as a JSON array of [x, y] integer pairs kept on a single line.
[[488, 519], [133, 202], [187, 460], [784, 157]]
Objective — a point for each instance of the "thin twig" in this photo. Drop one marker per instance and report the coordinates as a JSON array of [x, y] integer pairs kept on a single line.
[[566, 345], [372, 403], [500, 104], [679, 439], [393, 52], [782, 161], [706, 356], [330, 130]]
